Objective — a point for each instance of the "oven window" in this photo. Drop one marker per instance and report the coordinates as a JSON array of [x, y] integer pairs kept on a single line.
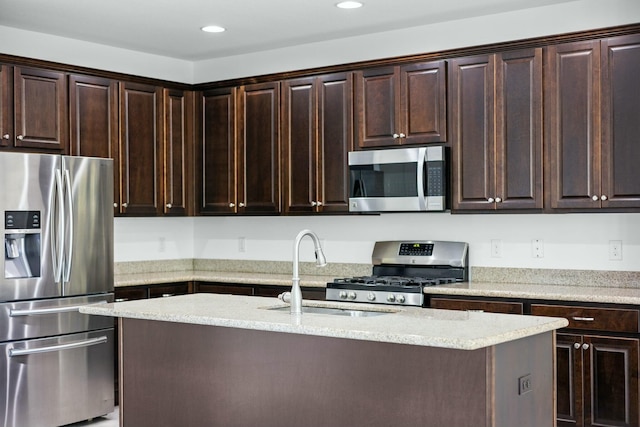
[[384, 180]]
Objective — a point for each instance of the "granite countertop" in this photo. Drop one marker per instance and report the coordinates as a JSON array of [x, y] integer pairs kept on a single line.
[[540, 291], [463, 330]]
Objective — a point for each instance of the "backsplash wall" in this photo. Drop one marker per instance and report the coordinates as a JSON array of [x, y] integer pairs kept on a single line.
[[569, 241]]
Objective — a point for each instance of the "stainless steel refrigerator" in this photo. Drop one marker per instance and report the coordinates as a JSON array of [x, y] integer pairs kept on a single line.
[[56, 363]]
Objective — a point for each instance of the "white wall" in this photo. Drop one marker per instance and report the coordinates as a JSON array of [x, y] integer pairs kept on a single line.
[[571, 241]]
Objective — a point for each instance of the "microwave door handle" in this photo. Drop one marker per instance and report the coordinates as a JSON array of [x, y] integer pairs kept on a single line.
[[359, 189], [421, 166]]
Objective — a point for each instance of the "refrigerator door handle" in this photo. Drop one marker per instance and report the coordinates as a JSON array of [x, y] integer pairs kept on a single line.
[[49, 310], [68, 236], [85, 343], [57, 226]]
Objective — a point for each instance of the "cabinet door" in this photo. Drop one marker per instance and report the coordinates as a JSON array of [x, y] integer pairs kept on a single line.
[[572, 119], [519, 130], [472, 132], [177, 151], [6, 105], [259, 148], [93, 110], [40, 108], [620, 121], [140, 148], [299, 136], [423, 105], [335, 140], [216, 152], [569, 380], [377, 94], [611, 370]]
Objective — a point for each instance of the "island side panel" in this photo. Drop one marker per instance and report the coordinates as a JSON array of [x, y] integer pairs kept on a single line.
[[525, 392], [193, 375]]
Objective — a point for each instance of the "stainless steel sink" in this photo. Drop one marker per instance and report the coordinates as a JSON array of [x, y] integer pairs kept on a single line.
[[334, 311]]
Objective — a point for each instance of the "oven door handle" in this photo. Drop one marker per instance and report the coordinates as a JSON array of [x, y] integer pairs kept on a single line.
[[69, 346], [50, 310]]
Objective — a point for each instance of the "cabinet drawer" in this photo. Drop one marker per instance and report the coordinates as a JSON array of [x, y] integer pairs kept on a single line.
[[592, 318], [157, 291], [468, 304], [131, 293]]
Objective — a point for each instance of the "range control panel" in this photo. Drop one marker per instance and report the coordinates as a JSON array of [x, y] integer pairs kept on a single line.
[[416, 249]]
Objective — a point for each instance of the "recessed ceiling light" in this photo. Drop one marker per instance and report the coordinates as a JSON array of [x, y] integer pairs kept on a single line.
[[213, 29], [349, 5]]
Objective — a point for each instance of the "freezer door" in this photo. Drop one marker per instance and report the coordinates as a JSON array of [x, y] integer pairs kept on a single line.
[[27, 194], [56, 381], [88, 189], [40, 318]]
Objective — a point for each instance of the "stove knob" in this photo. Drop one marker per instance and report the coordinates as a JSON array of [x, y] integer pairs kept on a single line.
[[352, 295], [343, 295], [400, 299], [371, 296], [391, 297]]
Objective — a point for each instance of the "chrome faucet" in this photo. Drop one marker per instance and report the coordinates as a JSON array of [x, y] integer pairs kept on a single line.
[[295, 296]]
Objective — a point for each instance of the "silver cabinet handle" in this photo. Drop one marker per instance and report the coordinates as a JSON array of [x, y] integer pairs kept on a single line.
[[169, 206], [50, 310], [583, 319], [20, 137], [576, 345], [594, 198], [6, 136], [490, 200], [585, 346], [86, 343], [167, 295], [121, 299], [498, 200], [603, 197], [241, 205], [232, 205]]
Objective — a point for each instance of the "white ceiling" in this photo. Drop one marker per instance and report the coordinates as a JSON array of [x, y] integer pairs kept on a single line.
[[171, 28]]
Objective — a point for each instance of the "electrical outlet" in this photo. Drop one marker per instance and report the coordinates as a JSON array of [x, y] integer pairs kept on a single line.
[[242, 244], [162, 244], [615, 250], [537, 248], [524, 384], [496, 248]]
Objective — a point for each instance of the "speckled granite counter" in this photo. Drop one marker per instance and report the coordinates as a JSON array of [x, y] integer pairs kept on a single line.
[[414, 326]]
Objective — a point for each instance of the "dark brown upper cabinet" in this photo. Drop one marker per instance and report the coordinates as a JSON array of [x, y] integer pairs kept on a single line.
[[178, 136], [238, 154], [141, 136], [592, 123], [401, 105], [259, 148], [33, 109], [317, 117], [496, 131], [216, 152]]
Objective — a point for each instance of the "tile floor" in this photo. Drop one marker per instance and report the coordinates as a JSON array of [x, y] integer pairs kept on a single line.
[[110, 420]]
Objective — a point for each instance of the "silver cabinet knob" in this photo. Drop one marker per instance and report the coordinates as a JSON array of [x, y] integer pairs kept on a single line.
[[396, 136], [167, 295], [313, 203], [124, 205], [169, 206], [594, 198], [232, 205], [115, 205], [402, 135], [6, 136], [490, 200], [241, 205], [319, 203], [20, 137], [603, 197], [585, 346], [576, 345], [498, 200]]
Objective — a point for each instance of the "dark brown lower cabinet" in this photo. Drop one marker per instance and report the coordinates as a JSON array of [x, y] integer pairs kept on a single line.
[[597, 381]]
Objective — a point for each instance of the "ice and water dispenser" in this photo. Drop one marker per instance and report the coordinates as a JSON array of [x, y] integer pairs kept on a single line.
[[22, 244]]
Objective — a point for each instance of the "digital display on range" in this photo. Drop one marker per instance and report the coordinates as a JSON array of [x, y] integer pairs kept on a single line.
[[416, 249], [21, 220]]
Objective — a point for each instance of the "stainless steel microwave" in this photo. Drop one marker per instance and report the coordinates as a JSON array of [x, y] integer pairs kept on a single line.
[[398, 180]]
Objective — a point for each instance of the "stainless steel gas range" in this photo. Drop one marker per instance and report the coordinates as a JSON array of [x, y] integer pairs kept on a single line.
[[401, 270]]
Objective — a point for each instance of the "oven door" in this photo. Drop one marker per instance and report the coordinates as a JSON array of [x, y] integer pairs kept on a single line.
[[57, 381]]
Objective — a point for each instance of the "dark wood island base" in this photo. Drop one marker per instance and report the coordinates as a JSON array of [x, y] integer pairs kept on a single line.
[[187, 375]]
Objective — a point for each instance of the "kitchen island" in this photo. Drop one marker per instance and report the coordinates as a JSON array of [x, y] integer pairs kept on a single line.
[[222, 360]]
